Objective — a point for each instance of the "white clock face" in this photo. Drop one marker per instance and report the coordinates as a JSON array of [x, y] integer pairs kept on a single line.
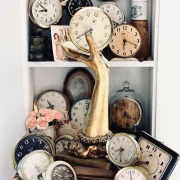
[[78, 113], [153, 159], [52, 100], [34, 164], [94, 20], [123, 150], [114, 11], [46, 12]]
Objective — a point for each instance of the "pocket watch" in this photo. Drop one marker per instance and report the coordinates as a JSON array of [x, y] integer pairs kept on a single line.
[[122, 149], [75, 5], [114, 11], [158, 159], [51, 99], [33, 164], [99, 24], [78, 113], [29, 143], [60, 170], [45, 13], [130, 173], [126, 41]]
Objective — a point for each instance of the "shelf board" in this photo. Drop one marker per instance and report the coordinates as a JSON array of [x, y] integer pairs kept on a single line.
[[80, 64]]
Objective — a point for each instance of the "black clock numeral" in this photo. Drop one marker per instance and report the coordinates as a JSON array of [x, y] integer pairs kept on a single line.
[[45, 147], [42, 99], [26, 142], [86, 102], [133, 172], [137, 40], [154, 176], [81, 17], [21, 147], [160, 171], [118, 29], [112, 148], [108, 6], [162, 163], [114, 34], [88, 14], [113, 47], [117, 51], [40, 142], [131, 29], [19, 154], [106, 26], [76, 108], [76, 120], [96, 14], [74, 114], [136, 33], [124, 54], [154, 149], [117, 12], [147, 147], [80, 103], [105, 34], [160, 155], [141, 149], [77, 24], [122, 176], [124, 27], [135, 46], [130, 51], [33, 140]]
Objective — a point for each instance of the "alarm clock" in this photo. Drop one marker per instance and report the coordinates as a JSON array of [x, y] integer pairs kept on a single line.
[[45, 13]]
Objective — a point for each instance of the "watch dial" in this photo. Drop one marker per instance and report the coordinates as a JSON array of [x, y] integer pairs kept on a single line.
[[62, 172], [99, 24], [74, 5], [126, 41], [52, 100], [78, 113], [46, 12], [114, 11], [126, 113], [123, 150], [153, 158], [31, 143]]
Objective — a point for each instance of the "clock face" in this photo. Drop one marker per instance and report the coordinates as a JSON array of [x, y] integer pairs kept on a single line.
[[73, 5], [45, 12], [131, 173], [52, 99], [32, 165], [78, 113], [153, 159], [126, 41], [99, 24], [123, 150], [126, 113], [114, 11], [31, 143]]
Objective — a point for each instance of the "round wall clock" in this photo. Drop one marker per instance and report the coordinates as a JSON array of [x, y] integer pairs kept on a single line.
[[99, 25], [79, 84], [51, 99], [126, 41], [45, 13], [31, 143], [33, 164], [60, 170], [75, 5]]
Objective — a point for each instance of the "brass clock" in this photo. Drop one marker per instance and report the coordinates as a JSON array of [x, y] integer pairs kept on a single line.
[[126, 41]]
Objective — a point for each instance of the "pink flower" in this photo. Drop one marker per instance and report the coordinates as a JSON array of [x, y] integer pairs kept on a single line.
[[32, 114], [49, 117], [42, 123], [57, 115], [31, 123], [44, 112]]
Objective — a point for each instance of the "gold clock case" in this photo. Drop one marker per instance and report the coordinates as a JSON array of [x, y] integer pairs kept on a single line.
[[40, 24], [135, 159], [70, 29]]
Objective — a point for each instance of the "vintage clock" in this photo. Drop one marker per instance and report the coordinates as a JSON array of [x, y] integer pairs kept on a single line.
[[33, 164], [132, 173], [60, 170], [126, 108], [99, 25], [31, 143], [126, 41], [158, 159], [51, 99], [122, 149], [114, 11], [79, 84], [45, 13], [75, 5], [78, 113]]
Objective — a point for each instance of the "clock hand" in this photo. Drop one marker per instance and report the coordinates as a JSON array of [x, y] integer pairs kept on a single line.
[[124, 43], [90, 30], [43, 7], [43, 10], [143, 162], [131, 43], [57, 175], [130, 176], [50, 105]]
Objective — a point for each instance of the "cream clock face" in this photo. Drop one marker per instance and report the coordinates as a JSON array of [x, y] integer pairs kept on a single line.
[[123, 150], [114, 11], [91, 20], [153, 159], [45, 12], [126, 41]]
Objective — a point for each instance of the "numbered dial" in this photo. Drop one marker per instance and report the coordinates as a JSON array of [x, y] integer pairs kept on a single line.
[[78, 113], [126, 41], [60, 170], [126, 113], [33, 164], [114, 11], [99, 24], [132, 173], [52, 99], [31, 143], [153, 158], [75, 5], [123, 150], [45, 12]]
